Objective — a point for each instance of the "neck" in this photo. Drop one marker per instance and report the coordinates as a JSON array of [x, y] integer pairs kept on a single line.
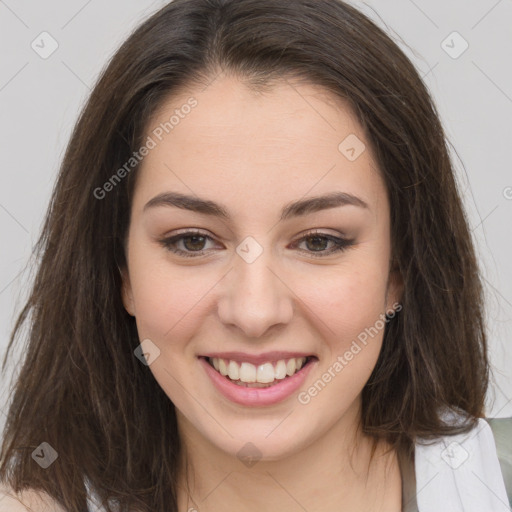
[[333, 473]]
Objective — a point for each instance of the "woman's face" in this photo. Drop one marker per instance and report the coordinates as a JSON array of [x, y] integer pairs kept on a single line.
[[266, 276]]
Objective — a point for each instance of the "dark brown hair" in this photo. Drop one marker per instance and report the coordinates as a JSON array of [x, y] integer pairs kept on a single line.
[[82, 390]]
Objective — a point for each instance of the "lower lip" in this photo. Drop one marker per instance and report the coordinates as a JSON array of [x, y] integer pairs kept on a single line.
[[257, 396]]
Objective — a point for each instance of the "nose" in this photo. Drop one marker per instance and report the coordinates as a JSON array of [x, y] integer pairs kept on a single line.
[[255, 297]]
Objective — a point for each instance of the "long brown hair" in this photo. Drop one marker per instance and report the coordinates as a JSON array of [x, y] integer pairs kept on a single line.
[[82, 390]]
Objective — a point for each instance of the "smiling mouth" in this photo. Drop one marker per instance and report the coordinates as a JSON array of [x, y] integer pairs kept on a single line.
[[259, 376]]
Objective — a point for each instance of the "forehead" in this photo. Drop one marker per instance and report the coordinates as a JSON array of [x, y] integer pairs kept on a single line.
[[235, 143]]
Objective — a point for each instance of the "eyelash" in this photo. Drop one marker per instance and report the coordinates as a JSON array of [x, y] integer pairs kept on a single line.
[[341, 244]]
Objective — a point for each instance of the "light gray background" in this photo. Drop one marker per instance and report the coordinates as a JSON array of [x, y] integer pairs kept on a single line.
[[40, 100]]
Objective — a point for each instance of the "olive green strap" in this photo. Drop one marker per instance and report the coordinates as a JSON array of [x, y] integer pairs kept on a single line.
[[502, 431]]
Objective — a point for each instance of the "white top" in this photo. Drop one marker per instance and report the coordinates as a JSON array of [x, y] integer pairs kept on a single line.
[[460, 473]]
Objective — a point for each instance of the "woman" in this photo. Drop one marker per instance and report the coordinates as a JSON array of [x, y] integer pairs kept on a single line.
[[258, 288]]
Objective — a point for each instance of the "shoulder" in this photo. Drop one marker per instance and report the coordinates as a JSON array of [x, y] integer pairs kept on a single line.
[[484, 453], [28, 500]]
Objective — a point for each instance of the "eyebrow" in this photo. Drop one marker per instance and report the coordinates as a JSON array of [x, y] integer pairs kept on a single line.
[[294, 209]]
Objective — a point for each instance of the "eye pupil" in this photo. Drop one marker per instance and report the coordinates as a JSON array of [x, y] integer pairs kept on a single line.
[[194, 239], [323, 242]]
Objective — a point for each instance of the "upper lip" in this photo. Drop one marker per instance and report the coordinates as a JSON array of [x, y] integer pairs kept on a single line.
[[256, 359]]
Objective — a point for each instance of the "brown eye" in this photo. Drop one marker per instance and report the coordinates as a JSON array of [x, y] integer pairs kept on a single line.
[[194, 242], [317, 244], [189, 244]]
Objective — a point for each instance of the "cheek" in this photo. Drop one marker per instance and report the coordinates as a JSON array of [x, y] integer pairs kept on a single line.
[[169, 299], [347, 310], [346, 300], [165, 302], [154, 293]]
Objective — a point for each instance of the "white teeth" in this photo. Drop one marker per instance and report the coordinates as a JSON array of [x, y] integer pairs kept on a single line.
[[247, 372], [264, 373], [223, 369], [291, 366], [280, 370], [233, 370]]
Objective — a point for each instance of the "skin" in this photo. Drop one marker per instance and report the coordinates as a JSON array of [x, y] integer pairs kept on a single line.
[[255, 153]]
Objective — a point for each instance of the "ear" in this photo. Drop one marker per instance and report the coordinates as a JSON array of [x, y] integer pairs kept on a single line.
[[126, 292]]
